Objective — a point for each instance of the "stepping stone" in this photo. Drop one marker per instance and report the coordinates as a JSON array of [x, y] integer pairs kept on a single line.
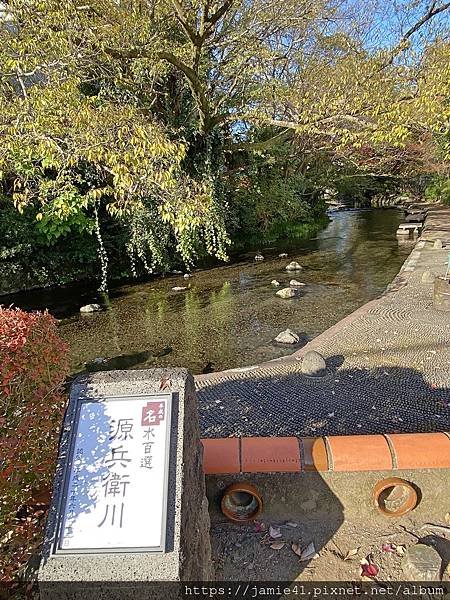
[[286, 293], [287, 337], [313, 364], [294, 266], [90, 308]]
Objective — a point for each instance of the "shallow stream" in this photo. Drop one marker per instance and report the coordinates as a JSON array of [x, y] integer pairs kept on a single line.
[[229, 315]]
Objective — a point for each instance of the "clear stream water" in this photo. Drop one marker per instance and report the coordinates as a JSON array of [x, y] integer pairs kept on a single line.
[[229, 315]]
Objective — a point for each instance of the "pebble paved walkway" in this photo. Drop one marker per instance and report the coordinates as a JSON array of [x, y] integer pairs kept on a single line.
[[388, 362]]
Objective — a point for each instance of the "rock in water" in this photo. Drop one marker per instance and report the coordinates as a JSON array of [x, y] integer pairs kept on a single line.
[[90, 308], [275, 282], [282, 255], [294, 266], [208, 368], [428, 277], [295, 283], [286, 293], [423, 563], [164, 352], [259, 257], [99, 360], [313, 364], [415, 218], [438, 245], [287, 337]]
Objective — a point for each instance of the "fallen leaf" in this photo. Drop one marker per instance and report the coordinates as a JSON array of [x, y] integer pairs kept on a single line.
[[370, 570], [296, 548], [259, 527], [352, 553], [165, 383], [309, 553], [275, 532], [277, 545]]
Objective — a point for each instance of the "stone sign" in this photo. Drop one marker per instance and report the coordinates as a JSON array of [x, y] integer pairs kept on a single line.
[[129, 501], [119, 455]]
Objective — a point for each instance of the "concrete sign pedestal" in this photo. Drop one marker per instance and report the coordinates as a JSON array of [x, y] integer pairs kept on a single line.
[[129, 502]]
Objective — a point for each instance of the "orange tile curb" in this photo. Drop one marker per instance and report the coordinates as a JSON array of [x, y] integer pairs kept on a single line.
[[421, 450], [332, 453], [360, 453], [269, 454], [221, 456]]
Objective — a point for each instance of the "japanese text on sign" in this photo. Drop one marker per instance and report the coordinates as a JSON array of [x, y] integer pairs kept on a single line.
[[116, 486]]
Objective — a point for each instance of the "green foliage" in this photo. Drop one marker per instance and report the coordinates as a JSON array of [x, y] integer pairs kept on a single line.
[[262, 202], [180, 118], [28, 260], [66, 158], [164, 128], [62, 217], [439, 190]]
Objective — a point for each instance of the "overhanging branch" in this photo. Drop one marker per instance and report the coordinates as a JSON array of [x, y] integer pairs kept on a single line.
[[194, 82], [263, 145]]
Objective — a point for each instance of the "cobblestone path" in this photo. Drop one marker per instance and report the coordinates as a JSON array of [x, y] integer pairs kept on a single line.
[[388, 367]]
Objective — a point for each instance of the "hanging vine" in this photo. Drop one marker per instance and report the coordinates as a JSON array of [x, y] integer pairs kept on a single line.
[[103, 256]]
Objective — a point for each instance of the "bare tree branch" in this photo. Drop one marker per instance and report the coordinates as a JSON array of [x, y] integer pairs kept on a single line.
[[182, 18], [431, 12], [284, 135], [220, 12]]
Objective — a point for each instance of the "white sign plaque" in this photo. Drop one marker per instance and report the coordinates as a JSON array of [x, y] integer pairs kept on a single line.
[[116, 481]]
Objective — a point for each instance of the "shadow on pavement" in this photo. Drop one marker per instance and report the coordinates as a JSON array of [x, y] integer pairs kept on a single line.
[[384, 399]]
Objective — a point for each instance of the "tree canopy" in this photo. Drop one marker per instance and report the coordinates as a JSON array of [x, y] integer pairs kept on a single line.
[[165, 113]]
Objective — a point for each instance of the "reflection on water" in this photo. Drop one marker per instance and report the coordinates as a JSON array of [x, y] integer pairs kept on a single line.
[[229, 315]]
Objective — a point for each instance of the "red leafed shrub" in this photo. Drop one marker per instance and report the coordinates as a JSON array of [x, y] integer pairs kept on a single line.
[[33, 366]]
